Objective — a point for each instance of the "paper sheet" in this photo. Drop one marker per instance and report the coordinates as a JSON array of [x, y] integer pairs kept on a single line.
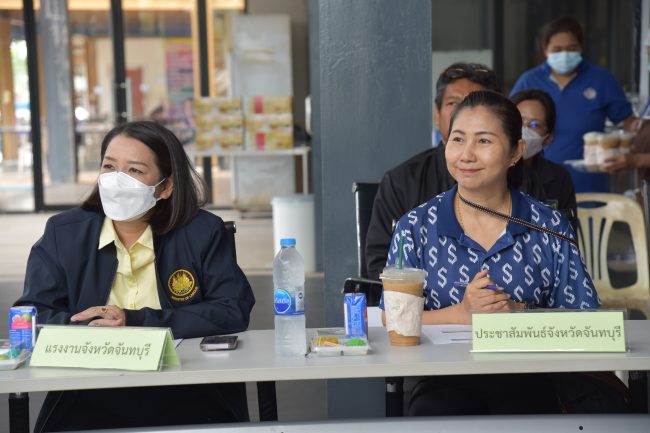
[[448, 334]]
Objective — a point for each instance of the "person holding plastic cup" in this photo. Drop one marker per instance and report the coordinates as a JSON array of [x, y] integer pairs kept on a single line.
[[483, 250], [584, 93]]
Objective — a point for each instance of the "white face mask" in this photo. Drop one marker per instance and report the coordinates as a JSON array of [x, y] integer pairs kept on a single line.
[[125, 198], [534, 142]]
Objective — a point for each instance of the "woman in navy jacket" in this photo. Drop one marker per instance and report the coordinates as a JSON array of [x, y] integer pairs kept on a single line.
[[74, 274]]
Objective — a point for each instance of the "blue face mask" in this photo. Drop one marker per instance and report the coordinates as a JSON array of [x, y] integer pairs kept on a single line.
[[564, 61]]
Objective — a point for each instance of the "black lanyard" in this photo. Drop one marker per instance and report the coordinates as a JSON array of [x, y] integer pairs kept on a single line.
[[517, 220]]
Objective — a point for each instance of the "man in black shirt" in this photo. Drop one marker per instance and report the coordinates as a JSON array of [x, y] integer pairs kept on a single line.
[[425, 175]]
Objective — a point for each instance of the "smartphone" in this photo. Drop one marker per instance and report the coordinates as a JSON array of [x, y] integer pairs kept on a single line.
[[218, 342]]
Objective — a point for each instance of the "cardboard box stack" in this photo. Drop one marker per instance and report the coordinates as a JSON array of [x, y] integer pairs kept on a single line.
[[269, 122], [219, 122]]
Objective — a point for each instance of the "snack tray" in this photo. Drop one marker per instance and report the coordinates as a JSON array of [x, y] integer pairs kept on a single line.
[[334, 342], [13, 363]]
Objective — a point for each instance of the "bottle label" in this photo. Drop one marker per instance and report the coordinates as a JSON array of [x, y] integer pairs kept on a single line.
[[289, 300]]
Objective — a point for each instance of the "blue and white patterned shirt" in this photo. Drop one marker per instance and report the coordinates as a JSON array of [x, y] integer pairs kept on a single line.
[[529, 265]]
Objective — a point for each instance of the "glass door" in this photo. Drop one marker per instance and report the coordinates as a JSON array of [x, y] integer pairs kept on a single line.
[[161, 42], [93, 63], [16, 178], [76, 96], [54, 165]]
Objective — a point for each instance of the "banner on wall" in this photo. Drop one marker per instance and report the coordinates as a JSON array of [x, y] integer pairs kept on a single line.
[[180, 79]]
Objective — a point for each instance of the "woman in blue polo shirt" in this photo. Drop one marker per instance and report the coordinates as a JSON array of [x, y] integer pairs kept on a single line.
[[466, 239], [584, 95], [140, 252]]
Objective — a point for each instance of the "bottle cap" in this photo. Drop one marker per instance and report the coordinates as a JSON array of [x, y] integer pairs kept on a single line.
[[288, 242]]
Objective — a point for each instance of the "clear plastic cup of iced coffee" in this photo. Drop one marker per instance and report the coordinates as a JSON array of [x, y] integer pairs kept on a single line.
[[403, 304]]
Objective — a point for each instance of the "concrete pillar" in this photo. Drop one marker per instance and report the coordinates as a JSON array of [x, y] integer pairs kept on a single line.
[[58, 91], [370, 75]]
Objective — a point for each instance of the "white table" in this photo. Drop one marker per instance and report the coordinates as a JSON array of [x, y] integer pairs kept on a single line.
[[255, 361], [456, 424], [301, 151]]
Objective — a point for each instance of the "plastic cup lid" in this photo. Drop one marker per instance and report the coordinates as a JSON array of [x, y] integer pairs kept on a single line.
[[408, 274]]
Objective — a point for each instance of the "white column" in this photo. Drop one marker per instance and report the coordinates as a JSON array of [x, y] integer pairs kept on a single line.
[[643, 73], [58, 91]]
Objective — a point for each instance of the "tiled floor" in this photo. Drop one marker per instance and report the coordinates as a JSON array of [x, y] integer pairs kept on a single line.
[[303, 400]]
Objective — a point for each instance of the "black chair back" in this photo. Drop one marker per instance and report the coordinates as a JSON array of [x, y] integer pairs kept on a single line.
[[231, 229], [364, 197]]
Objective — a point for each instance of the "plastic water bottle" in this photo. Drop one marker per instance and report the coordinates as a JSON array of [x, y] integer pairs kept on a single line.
[[289, 300]]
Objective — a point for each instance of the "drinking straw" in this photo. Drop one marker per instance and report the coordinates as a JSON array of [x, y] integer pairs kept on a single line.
[[401, 252]]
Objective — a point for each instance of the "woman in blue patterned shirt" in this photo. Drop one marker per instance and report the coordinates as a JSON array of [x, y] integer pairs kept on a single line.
[[465, 249], [460, 245]]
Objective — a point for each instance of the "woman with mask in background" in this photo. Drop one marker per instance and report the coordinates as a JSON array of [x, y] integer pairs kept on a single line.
[[585, 95], [140, 252], [550, 182]]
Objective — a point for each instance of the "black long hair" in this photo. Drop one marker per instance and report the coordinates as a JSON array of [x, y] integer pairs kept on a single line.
[[510, 119], [188, 193]]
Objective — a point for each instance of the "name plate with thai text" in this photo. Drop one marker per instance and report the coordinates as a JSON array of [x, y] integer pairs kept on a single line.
[[549, 331], [122, 348]]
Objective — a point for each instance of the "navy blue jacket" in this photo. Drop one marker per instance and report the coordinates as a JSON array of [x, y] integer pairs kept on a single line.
[[67, 273]]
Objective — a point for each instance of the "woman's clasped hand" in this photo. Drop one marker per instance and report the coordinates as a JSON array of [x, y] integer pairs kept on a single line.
[[106, 315], [479, 298]]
